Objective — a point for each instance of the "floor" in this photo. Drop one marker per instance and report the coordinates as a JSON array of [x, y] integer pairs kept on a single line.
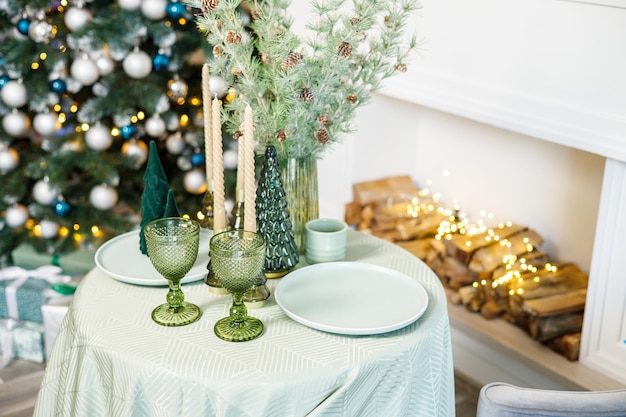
[[19, 383]]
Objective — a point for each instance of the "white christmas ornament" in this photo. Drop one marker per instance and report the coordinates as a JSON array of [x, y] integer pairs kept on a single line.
[[76, 17], [47, 124], [230, 158], [137, 64], [137, 150], [217, 85], [194, 182], [155, 126], [85, 70], [16, 216], [14, 94], [44, 193], [103, 197], [9, 160], [105, 65], [98, 137], [154, 9], [175, 144], [16, 123], [129, 4], [48, 229]]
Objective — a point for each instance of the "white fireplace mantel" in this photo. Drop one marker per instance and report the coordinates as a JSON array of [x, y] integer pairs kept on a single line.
[[548, 69], [553, 70]]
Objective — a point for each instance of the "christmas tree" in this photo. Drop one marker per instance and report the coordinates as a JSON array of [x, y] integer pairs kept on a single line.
[[273, 219], [83, 87]]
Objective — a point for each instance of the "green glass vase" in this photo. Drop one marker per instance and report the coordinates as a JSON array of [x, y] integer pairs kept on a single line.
[[300, 181]]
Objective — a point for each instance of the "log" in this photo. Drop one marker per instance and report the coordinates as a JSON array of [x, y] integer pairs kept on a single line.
[[546, 328], [567, 345], [380, 190], [463, 246], [485, 260], [553, 305], [424, 225], [566, 278], [352, 213], [456, 272]]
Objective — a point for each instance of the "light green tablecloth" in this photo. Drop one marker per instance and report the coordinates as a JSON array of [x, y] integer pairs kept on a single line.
[[110, 359]]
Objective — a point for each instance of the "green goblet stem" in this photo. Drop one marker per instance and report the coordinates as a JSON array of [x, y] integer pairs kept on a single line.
[[175, 296], [238, 311]]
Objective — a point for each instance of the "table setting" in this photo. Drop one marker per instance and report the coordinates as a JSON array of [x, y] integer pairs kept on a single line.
[[202, 318]]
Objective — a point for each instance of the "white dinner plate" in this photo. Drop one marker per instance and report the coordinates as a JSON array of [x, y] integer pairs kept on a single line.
[[121, 259], [351, 298]]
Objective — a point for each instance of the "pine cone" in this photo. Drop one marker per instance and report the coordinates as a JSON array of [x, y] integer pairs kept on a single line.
[[354, 20], [345, 49], [237, 134], [291, 61], [401, 67], [306, 95], [323, 119], [265, 59], [281, 136], [217, 50], [207, 5], [322, 135], [352, 98], [236, 71], [233, 37]]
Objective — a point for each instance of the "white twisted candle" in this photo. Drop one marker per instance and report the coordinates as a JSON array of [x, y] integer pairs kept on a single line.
[[249, 205], [219, 209], [206, 108]]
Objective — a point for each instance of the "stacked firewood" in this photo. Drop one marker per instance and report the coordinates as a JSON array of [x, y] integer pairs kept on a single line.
[[497, 271]]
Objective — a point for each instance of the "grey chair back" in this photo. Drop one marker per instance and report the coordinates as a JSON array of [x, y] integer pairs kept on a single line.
[[498, 399]]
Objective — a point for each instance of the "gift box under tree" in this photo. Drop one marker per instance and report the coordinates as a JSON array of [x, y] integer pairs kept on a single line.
[[22, 340], [23, 292]]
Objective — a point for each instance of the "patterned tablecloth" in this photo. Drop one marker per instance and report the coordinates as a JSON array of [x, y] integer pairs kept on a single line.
[[110, 359]]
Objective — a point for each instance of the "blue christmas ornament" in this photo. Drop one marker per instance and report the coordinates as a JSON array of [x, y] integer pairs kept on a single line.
[[3, 80], [62, 208], [160, 62], [128, 132], [58, 86], [23, 25], [175, 10], [197, 159]]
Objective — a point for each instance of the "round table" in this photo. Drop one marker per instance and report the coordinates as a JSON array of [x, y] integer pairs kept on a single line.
[[111, 359]]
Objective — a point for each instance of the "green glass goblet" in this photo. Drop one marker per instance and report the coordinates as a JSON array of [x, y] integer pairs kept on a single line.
[[172, 244], [237, 257]]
